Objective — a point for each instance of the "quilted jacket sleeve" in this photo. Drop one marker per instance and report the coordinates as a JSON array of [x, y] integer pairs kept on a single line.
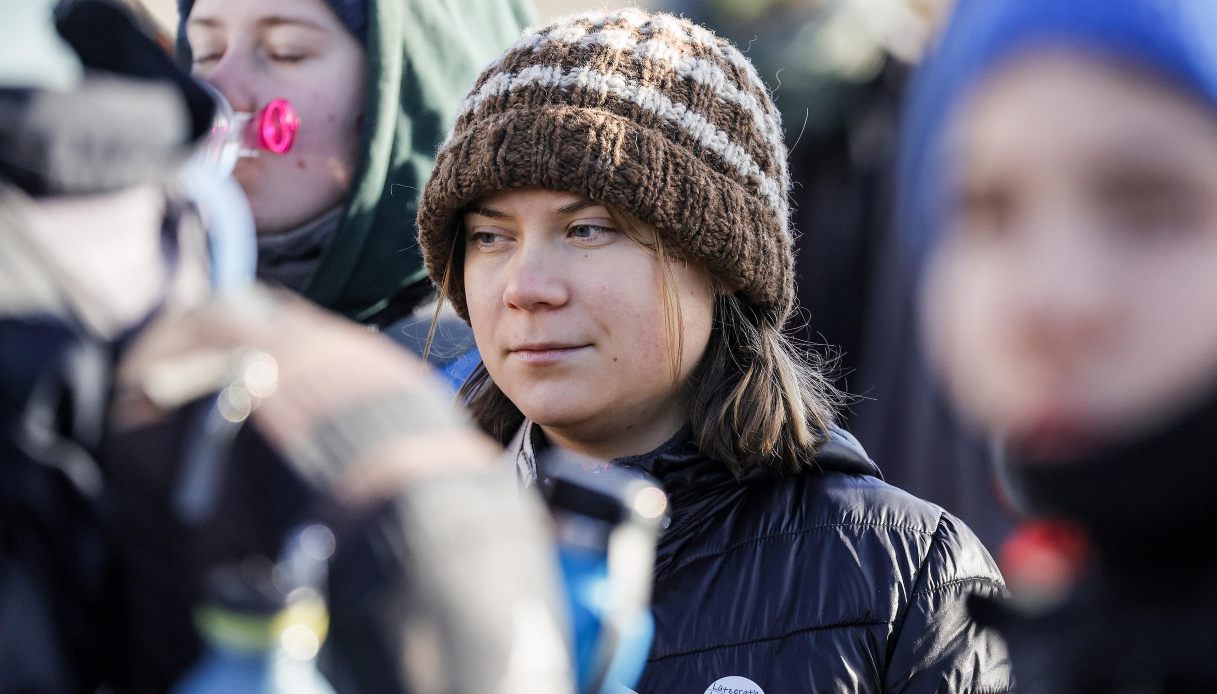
[[937, 647]]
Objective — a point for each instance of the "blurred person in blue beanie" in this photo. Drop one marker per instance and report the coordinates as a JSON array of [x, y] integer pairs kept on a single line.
[[1060, 197]]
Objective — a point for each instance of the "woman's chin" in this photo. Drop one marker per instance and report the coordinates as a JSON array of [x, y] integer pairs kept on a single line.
[[552, 417]]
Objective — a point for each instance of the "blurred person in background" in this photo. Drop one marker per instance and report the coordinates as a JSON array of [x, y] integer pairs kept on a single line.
[[161, 434], [1061, 186], [610, 214], [838, 70], [375, 83]]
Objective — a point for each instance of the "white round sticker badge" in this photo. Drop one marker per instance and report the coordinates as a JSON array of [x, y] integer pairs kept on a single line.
[[735, 684]]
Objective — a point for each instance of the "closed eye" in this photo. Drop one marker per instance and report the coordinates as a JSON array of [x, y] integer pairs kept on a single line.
[[288, 57]]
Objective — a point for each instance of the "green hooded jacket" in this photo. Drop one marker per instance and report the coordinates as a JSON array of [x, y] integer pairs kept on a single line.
[[423, 57]]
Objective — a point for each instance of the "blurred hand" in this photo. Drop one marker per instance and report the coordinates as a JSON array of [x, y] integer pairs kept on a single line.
[[298, 372], [444, 578]]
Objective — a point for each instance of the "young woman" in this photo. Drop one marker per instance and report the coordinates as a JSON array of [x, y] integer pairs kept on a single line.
[[375, 83], [1065, 198], [609, 212]]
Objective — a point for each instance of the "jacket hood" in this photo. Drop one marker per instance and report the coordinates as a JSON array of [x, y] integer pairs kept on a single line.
[[422, 58], [423, 55], [843, 453]]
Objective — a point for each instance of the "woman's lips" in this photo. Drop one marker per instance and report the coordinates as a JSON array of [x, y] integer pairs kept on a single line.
[[541, 354]]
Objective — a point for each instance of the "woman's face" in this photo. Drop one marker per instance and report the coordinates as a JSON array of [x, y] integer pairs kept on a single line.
[[1073, 296], [568, 313], [253, 51]]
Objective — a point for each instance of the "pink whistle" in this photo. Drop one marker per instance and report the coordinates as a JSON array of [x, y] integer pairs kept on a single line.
[[238, 134], [273, 128]]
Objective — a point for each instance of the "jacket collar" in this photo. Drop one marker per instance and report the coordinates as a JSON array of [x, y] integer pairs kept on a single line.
[[698, 488], [843, 453], [522, 450], [289, 258], [678, 462]]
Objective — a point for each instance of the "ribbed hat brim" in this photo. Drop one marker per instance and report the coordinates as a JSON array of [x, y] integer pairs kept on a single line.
[[612, 160]]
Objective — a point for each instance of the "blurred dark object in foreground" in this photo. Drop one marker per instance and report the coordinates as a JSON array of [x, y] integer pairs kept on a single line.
[[157, 424]]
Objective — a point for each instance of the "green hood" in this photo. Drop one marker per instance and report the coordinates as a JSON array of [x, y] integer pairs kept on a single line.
[[423, 57]]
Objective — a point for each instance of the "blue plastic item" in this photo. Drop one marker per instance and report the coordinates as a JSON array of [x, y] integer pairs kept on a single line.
[[268, 653], [263, 624], [231, 671]]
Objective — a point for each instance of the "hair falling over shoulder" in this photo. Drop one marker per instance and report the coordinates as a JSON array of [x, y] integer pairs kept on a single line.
[[755, 399]]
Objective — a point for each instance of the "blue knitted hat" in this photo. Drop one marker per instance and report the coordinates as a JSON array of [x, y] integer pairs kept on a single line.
[[1174, 38], [353, 13]]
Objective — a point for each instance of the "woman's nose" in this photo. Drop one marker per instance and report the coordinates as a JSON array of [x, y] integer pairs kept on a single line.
[[535, 279], [1066, 291], [230, 75]]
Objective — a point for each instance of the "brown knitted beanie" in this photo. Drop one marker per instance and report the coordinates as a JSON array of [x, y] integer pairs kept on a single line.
[[648, 113]]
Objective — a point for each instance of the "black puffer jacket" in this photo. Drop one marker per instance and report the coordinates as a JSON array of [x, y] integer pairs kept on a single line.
[[829, 581]]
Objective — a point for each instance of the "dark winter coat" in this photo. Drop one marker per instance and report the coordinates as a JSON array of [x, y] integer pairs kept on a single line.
[[828, 581], [1131, 519]]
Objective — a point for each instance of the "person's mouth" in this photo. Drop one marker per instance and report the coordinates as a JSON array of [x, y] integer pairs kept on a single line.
[[1055, 433], [540, 353]]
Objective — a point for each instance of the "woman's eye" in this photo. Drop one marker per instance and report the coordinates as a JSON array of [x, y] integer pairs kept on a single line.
[[486, 240], [287, 57], [1146, 207], [982, 215], [591, 233], [1154, 215], [285, 51]]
